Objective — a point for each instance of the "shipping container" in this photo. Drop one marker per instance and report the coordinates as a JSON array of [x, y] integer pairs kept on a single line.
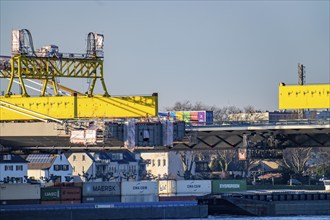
[[139, 198], [209, 117], [186, 116], [50, 194], [70, 201], [201, 116], [194, 116], [193, 187], [179, 116], [20, 202], [50, 202], [139, 188], [220, 186], [101, 189], [19, 191], [97, 199], [70, 193], [167, 186], [177, 198]]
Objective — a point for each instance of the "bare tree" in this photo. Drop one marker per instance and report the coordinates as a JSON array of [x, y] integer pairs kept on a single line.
[[188, 159], [223, 158], [296, 159]]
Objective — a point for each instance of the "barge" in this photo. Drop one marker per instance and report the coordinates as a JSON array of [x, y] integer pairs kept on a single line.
[[269, 203]]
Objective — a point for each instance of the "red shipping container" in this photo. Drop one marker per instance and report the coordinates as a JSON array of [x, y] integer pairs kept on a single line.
[[70, 193]]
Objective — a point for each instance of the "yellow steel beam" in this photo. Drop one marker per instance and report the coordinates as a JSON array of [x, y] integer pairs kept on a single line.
[[80, 107], [47, 68], [316, 96]]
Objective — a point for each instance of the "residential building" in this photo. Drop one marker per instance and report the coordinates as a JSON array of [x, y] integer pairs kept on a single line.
[[49, 167], [13, 168], [165, 165], [105, 166]]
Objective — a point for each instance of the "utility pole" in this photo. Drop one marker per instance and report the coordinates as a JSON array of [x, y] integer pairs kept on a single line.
[[301, 81]]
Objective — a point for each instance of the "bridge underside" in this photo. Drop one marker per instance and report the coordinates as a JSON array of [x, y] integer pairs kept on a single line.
[[50, 137], [265, 138]]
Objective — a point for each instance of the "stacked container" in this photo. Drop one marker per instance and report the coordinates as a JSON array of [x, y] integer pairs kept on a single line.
[[193, 117], [101, 192], [12, 194], [50, 195], [60, 195], [167, 187], [139, 191], [221, 186], [193, 187]]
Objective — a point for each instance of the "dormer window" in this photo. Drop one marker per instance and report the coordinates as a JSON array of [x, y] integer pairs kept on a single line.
[[7, 157]]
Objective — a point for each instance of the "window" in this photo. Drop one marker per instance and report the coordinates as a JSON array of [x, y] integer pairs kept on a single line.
[[153, 163], [73, 169], [57, 167], [164, 162], [83, 168], [9, 167], [83, 157], [19, 167], [74, 158], [159, 162], [65, 167]]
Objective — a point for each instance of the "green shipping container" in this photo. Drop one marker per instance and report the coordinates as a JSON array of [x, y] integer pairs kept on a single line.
[[186, 116], [221, 186], [50, 194]]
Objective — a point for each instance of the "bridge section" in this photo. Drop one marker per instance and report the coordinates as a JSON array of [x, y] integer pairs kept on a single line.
[[264, 135]]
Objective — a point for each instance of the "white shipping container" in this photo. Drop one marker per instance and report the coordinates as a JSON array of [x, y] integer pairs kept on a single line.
[[167, 187], [140, 198], [139, 188], [194, 187], [19, 191]]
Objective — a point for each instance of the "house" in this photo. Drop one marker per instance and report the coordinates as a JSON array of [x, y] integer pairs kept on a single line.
[[13, 168], [261, 167], [49, 167], [105, 166], [165, 165]]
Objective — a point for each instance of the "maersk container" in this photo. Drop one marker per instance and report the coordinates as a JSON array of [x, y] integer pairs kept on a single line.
[[139, 198], [139, 188], [193, 187], [101, 189], [167, 187], [220, 186], [50, 194], [19, 192], [97, 199]]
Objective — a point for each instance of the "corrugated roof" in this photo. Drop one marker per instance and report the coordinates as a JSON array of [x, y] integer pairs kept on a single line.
[[40, 161]]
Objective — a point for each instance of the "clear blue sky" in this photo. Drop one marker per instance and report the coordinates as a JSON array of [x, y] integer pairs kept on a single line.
[[216, 52]]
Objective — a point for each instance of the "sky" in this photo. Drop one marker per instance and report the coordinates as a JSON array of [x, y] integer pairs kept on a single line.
[[219, 53]]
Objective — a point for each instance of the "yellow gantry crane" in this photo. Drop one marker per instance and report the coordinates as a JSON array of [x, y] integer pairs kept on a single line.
[[46, 65]]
